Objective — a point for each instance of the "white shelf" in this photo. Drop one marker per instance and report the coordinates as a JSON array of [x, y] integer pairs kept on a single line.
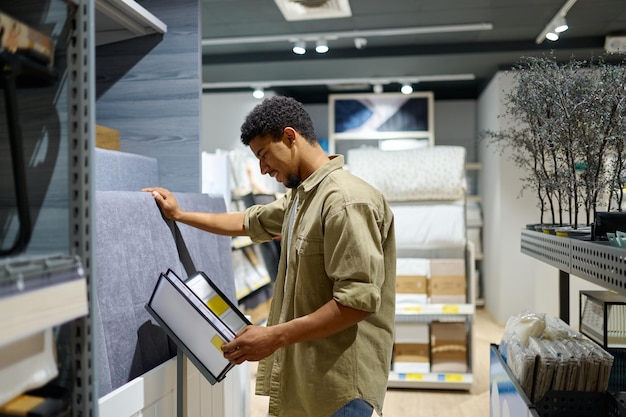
[[434, 309], [431, 380], [118, 20], [55, 305]]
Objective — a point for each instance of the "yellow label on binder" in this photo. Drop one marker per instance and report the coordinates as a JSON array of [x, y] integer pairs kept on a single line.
[[217, 305], [454, 378], [217, 342], [450, 309], [414, 377]]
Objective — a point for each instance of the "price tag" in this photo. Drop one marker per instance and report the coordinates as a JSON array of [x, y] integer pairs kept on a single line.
[[454, 378], [450, 309], [414, 377], [413, 309]]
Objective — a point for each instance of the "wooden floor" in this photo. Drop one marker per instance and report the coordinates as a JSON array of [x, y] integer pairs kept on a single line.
[[405, 402]]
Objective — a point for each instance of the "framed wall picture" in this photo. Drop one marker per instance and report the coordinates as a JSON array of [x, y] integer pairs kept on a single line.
[[384, 121]]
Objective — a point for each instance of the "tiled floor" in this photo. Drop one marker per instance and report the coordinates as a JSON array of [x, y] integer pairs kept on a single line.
[[408, 402]]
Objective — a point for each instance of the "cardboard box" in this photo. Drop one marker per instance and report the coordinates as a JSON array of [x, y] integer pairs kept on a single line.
[[448, 347], [412, 332], [448, 281], [411, 358], [413, 266], [447, 267], [107, 138], [411, 284]]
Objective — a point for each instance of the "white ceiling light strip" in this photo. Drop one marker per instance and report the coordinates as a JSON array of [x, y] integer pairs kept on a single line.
[[338, 81], [347, 34]]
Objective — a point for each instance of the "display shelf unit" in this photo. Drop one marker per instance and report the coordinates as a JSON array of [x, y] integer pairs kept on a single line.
[[249, 270], [475, 225], [595, 262], [249, 266], [427, 313]]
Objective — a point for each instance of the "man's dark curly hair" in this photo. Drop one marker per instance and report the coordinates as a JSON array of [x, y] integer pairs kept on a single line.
[[273, 115]]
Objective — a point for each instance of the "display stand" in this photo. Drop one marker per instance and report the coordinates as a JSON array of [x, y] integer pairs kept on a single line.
[[595, 262], [507, 394]]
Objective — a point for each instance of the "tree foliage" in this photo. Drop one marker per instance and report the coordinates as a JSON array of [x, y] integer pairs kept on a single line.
[[568, 133]]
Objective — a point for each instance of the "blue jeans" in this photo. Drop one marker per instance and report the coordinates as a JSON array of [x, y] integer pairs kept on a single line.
[[355, 408]]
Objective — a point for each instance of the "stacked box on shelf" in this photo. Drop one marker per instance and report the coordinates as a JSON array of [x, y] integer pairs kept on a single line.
[[411, 348], [448, 347], [447, 283], [411, 282]]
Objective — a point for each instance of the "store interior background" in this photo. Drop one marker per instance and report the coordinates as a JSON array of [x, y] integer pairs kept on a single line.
[[511, 281], [153, 90]]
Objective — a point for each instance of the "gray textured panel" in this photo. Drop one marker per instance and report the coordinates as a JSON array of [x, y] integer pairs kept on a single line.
[[123, 171], [133, 245]]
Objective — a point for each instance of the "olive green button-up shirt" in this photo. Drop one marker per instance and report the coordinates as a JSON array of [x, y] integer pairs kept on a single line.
[[342, 247]]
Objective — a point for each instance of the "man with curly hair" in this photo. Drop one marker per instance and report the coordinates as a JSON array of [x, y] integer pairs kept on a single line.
[[326, 349]]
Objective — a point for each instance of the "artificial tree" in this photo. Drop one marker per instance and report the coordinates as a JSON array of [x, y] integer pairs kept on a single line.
[[567, 133]]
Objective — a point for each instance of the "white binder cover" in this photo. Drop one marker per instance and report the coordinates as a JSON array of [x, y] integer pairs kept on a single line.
[[199, 318]]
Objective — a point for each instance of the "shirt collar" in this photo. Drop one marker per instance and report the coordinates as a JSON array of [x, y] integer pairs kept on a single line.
[[335, 163]]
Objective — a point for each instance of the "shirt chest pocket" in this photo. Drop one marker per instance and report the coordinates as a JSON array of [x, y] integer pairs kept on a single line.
[[309, 264], [306, 246]]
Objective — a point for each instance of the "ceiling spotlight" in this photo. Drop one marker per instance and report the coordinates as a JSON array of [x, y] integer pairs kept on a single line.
[[299, 47], [560, 25], [378, 88], [406, 88], [321, 46], [557, 24], [258, 93], [552, 36], [360, 43]]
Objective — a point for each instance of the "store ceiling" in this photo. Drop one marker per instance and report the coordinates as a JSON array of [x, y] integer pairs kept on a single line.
[[234, 60]]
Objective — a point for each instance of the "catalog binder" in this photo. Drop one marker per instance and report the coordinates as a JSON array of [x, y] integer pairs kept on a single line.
[[199, 318]]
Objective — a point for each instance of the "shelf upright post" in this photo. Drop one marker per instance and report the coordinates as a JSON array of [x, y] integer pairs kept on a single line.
[[81, 122], [564, 295]]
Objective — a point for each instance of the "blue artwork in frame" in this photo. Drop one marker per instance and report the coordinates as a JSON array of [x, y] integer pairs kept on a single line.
[[378, 114]]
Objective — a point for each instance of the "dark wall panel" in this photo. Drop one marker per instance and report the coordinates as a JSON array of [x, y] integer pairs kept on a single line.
[[41, 110], [148, 88]]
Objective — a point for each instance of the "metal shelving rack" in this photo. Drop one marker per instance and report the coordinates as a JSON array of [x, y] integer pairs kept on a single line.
[[64, 280], [595, 262], [81, 139]]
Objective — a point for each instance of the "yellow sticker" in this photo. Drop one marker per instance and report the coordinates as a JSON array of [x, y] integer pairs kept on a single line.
[[413, 309], [454, 378], [450, 309], [217, 305], [217, 342], [414, 377]]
